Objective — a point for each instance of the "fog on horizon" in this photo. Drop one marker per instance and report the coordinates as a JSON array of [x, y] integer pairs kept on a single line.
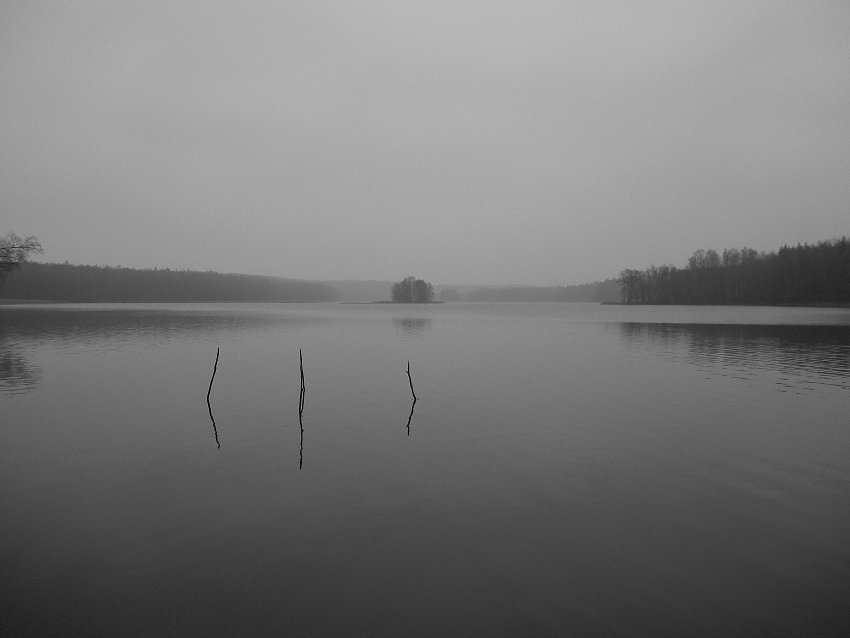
[[462, 142]]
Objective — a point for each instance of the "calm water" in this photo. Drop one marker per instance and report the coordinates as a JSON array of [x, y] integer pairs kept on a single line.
[[568, 469]]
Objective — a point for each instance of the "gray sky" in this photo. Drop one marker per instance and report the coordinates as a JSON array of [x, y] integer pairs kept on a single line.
[[466, 142]]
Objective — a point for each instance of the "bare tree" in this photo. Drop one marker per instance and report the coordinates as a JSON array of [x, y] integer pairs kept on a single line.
[[14, 251], [631, 281]]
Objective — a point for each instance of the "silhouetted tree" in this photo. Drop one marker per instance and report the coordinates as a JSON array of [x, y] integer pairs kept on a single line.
[[15, 251], [631, 282], [412, 290]]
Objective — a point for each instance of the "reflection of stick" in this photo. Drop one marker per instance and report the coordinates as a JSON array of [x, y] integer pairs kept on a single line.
[[215, 430], [213, 374], [301, 451], [410, 381], [209, 407], [410, 417]]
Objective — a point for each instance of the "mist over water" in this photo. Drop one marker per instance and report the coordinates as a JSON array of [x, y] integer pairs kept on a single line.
[[568, 469]]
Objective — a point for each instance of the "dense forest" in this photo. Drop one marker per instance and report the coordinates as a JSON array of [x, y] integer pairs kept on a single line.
[[794, 275], [68, 283]]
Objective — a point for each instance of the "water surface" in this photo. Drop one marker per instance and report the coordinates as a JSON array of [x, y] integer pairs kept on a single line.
[[567, 469]]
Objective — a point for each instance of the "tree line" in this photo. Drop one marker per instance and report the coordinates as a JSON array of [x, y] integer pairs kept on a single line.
[[793, 275], [85, 284], [597, 291]]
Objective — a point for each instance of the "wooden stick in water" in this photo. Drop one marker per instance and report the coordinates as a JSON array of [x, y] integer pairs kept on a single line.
[[209, 407], [410, 381], [301, 409]]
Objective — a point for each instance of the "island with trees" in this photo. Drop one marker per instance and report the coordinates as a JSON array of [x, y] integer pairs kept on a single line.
[[794, 275], [412, 290]]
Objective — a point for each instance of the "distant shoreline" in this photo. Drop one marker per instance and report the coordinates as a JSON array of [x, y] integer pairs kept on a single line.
[[47, 302], [395, 303], [824, 304], [59, 302], [27, 302]]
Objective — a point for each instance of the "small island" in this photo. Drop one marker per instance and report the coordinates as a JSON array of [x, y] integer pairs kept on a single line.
[[412, 290]]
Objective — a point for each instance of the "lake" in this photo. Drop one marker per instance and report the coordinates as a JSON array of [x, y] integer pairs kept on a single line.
[[568, 469]]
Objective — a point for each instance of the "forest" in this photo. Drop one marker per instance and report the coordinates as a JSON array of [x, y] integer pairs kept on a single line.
[[84, 284], [817, 274], [607, 290]]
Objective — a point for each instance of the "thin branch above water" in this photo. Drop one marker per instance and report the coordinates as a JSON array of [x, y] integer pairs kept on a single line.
[[410, 380], [209, 407], [301, 409], [412, 405]]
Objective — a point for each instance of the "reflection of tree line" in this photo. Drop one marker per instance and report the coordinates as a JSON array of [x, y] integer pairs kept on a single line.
[[46, 324], [23, 328], [821, 350], [412, 327], [17, 374]]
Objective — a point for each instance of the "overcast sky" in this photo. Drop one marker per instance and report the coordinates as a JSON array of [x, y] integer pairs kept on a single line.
[[461, 142]]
